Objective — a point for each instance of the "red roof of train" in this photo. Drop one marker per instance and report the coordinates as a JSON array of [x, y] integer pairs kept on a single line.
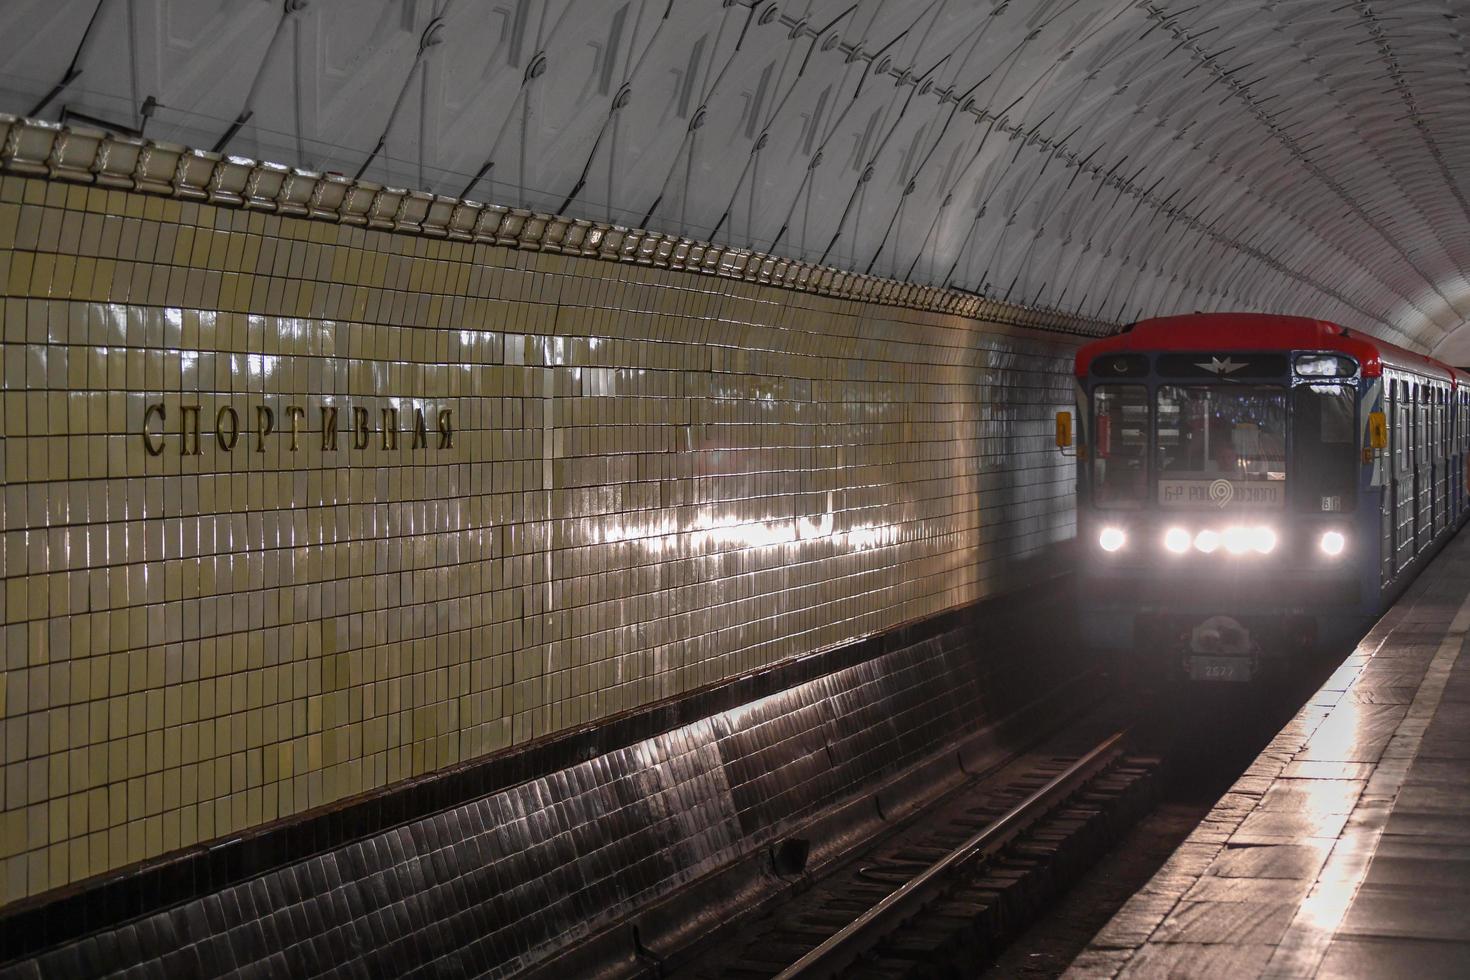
[[1225, 332]]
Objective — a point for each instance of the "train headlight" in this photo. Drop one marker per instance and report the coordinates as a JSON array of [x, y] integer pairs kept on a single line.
[[1207, 540], [1263, 540], [1332, 543], [1237, 539], [1111, 538], [1177, 540]]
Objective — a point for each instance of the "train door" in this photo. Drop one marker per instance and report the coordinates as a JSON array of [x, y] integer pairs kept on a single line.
[[1441, 461], [1423, 487], [1462, 449], [1452, 458], [1383, 471], [1424, 470], [1431, 458], [1455, 455], [1391, 485]]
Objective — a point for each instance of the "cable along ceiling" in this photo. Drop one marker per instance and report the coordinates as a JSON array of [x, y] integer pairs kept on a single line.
[[1110, 158]]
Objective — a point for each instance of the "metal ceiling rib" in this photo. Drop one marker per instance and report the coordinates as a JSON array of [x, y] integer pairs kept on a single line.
[[1108, 158]]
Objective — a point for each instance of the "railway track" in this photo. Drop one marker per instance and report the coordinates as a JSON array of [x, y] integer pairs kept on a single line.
[[947, 894]]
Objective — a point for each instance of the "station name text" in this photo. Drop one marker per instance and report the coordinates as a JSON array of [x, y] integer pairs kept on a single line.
[[337, 427]]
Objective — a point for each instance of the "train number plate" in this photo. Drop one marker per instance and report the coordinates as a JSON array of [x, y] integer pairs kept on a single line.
[[1219, 668]]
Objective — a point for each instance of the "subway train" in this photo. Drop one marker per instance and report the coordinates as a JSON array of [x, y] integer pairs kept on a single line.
[[1250, 486]]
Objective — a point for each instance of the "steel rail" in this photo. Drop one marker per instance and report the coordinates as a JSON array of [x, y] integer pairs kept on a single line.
[[867, 930]]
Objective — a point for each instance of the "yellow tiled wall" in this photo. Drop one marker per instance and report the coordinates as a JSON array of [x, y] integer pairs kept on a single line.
[[646, 481]]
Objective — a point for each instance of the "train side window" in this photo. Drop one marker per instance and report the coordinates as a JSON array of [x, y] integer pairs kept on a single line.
[[1442, 408], [1391, 406], [1418, 435], [1411, 405], [1428, 409], [1436, 416], [1457, 423], [1431, 412], [1120, 445], [1436, 410], [1401, 409], [1431, 428], [1425, 434], [1441, 427], [1406, 405], [1426, 420], [1429, 432], [1446, 423]]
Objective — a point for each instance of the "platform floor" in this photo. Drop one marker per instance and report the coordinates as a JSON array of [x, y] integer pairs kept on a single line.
[[1344, 851]]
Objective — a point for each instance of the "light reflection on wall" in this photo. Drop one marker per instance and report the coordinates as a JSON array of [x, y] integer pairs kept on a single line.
[[707, 534]]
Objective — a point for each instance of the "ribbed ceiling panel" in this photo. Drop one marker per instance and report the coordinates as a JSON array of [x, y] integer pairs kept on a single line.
[[1105, 157]]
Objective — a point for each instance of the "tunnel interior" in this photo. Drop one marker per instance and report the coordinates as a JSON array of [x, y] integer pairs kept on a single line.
[[1108, 158]]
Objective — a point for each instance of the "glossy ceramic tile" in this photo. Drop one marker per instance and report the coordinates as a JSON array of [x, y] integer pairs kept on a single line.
[[295, 510]]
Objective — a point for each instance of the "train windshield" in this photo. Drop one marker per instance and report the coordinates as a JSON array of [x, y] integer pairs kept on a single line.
[[1221, 444], [1120, 446]]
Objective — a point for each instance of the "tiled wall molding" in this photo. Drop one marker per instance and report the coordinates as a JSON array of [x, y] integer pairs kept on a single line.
[[40, 149]]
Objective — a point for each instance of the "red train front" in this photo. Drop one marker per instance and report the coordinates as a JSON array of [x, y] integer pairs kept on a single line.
[[1249, 483]]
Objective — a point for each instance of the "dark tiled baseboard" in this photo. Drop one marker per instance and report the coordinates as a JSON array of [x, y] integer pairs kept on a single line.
[[107, 902]]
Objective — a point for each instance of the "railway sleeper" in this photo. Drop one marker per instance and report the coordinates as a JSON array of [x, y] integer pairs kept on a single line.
[[921, 937], [829, 919], [882, 968], [848, 908]]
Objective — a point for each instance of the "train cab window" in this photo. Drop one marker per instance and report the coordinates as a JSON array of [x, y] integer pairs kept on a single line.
[[1120, 445], [1324, 464], [1216, 438]]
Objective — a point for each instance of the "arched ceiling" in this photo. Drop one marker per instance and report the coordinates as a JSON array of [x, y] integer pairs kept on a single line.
[[1114, 158]]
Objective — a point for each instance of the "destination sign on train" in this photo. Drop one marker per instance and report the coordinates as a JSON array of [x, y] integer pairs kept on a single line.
[[1222, 493]]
